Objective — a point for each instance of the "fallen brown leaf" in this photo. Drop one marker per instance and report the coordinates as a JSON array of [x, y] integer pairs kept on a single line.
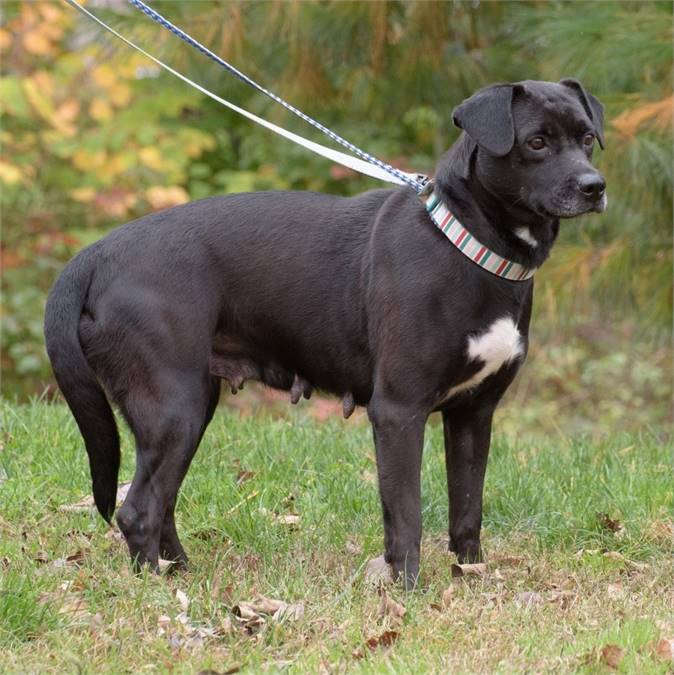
[[468, 569], [182, 598], [664, 649], [611, 655], [288, 519], [243, 476], [389, 607], [87, 504], [608, 523], [252, 613], [385, 639], [447, 596]]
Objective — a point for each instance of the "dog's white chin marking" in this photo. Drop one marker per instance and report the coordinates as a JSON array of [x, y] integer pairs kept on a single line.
[[500, 344], [524, 233]]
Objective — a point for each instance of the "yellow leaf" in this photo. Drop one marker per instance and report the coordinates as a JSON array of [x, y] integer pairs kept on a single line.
[[83, 195], [10, 174], [50, 11], [45, 81], [100, 109], [86, 161], [35, 95], [164, 197], [104, 76], [68, 110], [28, 14], [131, 64], [53, 31], [5, 40], [120, 94], [115, 166], [34, 88], [36, 42], [151, 158]]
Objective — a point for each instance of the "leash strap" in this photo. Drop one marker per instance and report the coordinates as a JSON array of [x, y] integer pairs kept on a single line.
[[374, 168], [449, 225], [405, 178]]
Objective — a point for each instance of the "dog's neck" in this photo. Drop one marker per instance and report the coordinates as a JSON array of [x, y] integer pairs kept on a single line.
[[511, 231]]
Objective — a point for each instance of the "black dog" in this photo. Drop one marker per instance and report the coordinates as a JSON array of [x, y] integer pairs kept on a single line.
[[362, 297]]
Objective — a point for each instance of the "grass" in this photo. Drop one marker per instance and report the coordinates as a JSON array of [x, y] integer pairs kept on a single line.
[[563, 582]]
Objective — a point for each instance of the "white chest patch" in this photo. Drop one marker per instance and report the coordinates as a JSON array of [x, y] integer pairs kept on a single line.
[[501, 343], [524, 233]]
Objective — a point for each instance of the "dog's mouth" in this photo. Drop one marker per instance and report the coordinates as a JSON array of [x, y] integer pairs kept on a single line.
[[571, 208]]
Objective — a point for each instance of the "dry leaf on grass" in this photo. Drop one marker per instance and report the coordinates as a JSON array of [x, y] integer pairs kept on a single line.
[[87, 504], [385, 639], [182, 598], [68, 603], [630, 564], [611, 524], [251, 614], [388, 607], [243, 476], [291, 519], [664, 649], [447, 596], [468, 570], [288, 519], [73, 559], [378, 572], [181, 634], [611, 655]]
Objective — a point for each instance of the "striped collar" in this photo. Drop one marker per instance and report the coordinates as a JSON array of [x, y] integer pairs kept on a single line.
[[471, 247]]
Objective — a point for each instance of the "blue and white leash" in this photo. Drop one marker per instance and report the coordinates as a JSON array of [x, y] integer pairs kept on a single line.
[[363, 162]]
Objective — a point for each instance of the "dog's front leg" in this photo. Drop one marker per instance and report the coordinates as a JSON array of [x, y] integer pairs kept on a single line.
[[399, 435], [467, 437]]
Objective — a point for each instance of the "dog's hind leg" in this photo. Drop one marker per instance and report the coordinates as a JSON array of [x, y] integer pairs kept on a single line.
[[170, 547], [167, 422]]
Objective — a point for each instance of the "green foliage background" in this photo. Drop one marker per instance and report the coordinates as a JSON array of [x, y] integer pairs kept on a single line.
[[93, 136]]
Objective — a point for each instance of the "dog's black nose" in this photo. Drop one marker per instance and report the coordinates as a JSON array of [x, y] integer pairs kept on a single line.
[[592, 184]]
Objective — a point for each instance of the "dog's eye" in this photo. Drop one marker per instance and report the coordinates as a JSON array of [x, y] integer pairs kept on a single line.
[[537, 143], [588, 140]]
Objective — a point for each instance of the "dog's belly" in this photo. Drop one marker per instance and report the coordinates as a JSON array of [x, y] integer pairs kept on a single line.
[[500, 344], [236, 362]]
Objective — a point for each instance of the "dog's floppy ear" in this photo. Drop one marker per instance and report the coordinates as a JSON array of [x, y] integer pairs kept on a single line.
[[592, 106], [487, 118]]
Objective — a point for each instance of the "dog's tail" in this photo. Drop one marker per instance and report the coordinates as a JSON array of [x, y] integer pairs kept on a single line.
[[77, 381]]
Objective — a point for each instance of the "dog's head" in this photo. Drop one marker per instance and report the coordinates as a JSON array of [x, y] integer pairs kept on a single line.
[[533, 145]]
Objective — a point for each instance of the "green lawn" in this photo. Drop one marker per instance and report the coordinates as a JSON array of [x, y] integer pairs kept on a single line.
[[563, 581]]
